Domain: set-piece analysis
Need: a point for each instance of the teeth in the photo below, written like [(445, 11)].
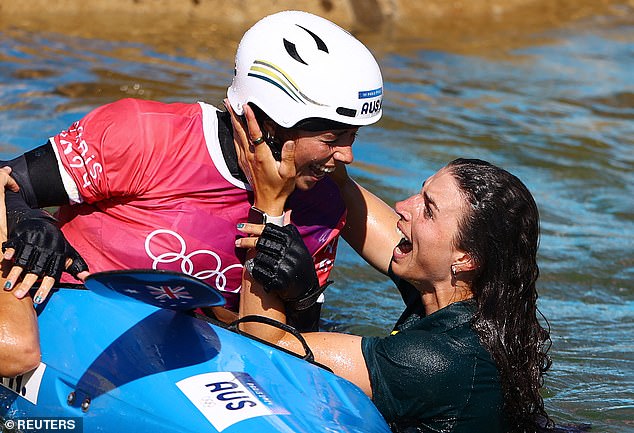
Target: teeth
[(401, 234), (324, 169)]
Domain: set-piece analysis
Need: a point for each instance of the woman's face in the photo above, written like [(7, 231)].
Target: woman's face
[(429, 224), (316, 153)]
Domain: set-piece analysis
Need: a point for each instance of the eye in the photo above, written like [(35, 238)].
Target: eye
[(428, 213), (341, 139), (333, 142)]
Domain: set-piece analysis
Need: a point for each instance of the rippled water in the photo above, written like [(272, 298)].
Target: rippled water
[(556, 110)]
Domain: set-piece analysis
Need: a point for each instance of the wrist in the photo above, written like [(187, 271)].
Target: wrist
[(272, 206), (260, 216)]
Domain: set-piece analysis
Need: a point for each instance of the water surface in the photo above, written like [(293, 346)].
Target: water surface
[(556, 109)]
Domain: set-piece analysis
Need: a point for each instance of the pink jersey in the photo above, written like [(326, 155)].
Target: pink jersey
[(149, 188)]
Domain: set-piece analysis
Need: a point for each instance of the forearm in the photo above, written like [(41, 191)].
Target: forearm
[(370, 225), (37, 174), (21, 202), (254, 300), (19, 339), (34, 242), (340, 352)]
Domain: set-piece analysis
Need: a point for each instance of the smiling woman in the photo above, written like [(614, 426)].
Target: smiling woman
[(468, 353), (319, 145), (551, 104), (173, 168)]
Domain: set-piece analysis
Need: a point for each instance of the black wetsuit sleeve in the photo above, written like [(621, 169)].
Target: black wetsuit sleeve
[(39, 246), (39, 178)]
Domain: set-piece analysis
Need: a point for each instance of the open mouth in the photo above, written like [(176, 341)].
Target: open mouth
[(404, 246), (320, 170)]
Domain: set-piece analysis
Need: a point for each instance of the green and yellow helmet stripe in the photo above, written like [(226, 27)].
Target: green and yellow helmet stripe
[(271, 73)]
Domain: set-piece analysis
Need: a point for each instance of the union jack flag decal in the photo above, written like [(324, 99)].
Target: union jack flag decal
[(163, 289), (163, 293)]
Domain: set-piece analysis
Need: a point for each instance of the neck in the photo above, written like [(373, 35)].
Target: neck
[(444, 294)]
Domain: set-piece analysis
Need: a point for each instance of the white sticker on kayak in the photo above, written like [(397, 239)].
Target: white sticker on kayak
[(26, 385), (225, 398)]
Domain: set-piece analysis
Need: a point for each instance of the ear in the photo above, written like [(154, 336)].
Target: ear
[(463, 263)]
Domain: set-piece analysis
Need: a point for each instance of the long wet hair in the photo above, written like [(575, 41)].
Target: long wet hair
[(500, 231)]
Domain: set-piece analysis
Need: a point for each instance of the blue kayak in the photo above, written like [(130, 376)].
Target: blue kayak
[(127, 355)]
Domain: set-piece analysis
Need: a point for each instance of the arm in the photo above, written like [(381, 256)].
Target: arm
[(35, 243), (271, 183), (340, 352), (370, 223), (19, 339)]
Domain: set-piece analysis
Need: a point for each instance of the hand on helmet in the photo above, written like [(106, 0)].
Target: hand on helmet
[(272, 181)]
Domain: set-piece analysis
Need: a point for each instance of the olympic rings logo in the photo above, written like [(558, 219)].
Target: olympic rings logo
[(186, 262)]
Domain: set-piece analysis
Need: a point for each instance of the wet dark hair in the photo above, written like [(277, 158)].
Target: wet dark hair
[(500, 230)]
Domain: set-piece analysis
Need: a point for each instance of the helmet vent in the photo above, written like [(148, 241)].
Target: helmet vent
[(291, 48), (346, 111), (321, 45)]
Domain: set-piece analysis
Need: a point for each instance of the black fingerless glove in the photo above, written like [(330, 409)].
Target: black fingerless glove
[(78, 264), (284, 265), (40, 246)]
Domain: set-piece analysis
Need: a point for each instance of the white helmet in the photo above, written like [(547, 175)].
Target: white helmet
[(296, 67)]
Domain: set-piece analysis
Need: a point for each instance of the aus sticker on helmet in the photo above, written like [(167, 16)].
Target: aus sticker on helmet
[(370, 107)]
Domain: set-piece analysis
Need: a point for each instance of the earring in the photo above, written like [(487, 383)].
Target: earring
[(453, 270), (269, 137)]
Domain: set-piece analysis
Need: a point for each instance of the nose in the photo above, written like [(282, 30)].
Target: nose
[(404, 208), (401, 209), (343, 154)]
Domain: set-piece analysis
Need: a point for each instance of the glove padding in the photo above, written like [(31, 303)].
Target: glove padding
[(40, 246), (284, 265)]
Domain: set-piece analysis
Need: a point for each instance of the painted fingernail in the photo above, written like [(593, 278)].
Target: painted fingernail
[(38, 300), (240, 225), (8, 285)]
